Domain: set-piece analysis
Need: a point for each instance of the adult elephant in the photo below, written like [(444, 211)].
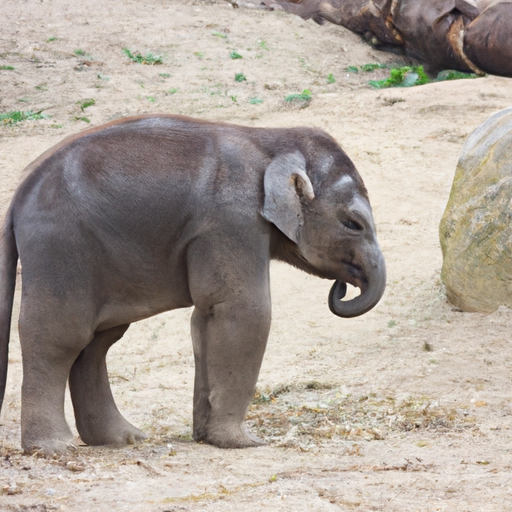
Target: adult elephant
[(466, 35), (154, 213)]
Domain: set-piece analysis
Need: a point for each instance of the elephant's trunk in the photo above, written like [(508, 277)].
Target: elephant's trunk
[(372, 290)]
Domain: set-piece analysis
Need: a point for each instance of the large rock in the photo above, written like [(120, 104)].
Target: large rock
[(476, 228)]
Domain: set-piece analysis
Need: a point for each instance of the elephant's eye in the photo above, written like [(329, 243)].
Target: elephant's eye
[(353, 225)]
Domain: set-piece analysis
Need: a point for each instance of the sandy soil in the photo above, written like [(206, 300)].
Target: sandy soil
[(407, 408)]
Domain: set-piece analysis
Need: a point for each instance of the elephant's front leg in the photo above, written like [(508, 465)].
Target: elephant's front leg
[(229, 342)]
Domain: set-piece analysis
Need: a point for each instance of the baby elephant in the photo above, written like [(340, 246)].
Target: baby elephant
[(154, 213)]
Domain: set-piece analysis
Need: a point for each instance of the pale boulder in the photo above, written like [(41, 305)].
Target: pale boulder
[(476, 228)]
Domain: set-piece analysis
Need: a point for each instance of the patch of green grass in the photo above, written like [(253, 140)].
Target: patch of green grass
[(373, 67), (83, 118), (103, 77), (409, 76), (255, 101), (82, 54), (330, 78), (235, 55), (42, 87), (199, 55), (391, 324), (406, 76), (219, 34), (55, 126), (6, 68), (89, 102), (366, 67), (164, 75), (148, 59), (305, 95), (172, 90), (240, 77), (262, 44), (151, 99), (51, 39), (454, 75), (17, 116)]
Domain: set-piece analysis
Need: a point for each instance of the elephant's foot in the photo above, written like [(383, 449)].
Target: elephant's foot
[(224, 435), (116, 432), (98, 419), (49, 447), (228, 349), (44, 429)]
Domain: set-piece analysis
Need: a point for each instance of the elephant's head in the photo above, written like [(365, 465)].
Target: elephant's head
[(322, 207)]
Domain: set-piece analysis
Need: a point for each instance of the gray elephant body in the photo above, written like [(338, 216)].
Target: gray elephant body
[(150, 214)]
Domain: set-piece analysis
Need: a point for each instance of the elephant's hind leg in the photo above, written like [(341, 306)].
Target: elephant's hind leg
[(48, 356), (98, 419)]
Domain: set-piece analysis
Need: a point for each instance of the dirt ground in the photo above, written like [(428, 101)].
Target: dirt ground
[(407, 408)]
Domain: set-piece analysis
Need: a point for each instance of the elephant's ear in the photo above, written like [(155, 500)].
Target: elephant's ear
[(286, 184)]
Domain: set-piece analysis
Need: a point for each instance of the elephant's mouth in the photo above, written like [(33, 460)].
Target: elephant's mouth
[(339, 288), (354, 276)]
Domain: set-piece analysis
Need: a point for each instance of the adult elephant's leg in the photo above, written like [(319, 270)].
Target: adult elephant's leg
[(98, 419), (230, 327)]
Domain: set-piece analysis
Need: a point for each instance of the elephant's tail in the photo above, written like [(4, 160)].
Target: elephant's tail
[(8, 267)]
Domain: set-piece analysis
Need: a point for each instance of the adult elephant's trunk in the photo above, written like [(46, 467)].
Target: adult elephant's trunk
[(372, 290)]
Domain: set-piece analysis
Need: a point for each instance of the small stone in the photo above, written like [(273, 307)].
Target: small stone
[(75, 466), (11, 489)]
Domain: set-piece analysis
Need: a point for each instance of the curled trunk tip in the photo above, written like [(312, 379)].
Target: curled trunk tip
[(371, 293)]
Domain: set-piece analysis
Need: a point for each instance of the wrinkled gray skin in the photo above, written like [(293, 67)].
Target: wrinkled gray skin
[(151, 214)]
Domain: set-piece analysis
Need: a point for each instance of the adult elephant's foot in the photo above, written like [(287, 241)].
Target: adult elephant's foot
[(224, 435)]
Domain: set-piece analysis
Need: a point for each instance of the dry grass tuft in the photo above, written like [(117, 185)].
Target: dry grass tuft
[(294, 415)]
